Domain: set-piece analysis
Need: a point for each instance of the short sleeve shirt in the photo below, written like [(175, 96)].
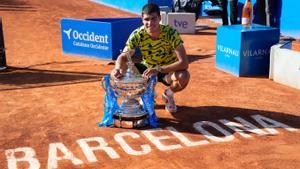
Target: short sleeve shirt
[(157, 52)]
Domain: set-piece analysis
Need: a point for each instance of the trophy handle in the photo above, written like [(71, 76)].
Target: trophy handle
[(149, 80), (111, 84), (103, 83)]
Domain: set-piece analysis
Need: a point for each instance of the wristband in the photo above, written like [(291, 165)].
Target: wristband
[(158, 68)]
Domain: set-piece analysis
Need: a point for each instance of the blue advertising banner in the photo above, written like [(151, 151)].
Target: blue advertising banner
[(100, 37), (245, 51)]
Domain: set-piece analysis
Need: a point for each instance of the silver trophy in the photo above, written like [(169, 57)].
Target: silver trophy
[(130, 87)]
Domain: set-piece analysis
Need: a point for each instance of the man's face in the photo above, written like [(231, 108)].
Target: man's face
[(151, 22)]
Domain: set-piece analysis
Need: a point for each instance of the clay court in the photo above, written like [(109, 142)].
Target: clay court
[(50, 104)]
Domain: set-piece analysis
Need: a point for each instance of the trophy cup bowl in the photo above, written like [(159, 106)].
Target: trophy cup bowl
[(130, 87)]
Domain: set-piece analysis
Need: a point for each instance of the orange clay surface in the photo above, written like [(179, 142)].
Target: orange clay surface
[(296, 45), (50, 101)]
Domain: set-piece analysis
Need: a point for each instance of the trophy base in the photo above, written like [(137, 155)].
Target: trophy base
[(129, 121)]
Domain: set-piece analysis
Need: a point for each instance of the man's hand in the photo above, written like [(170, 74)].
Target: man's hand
[(150, 72), (116, 73)]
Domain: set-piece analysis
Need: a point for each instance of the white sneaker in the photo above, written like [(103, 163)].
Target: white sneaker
[(141, 102), (170, 103)]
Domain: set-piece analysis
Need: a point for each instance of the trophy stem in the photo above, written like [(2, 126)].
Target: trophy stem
[(130, 108)]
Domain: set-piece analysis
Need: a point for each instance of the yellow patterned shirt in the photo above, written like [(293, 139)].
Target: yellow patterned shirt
[(156, 52)]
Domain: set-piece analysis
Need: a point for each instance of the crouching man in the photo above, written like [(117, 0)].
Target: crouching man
[(163, 54)]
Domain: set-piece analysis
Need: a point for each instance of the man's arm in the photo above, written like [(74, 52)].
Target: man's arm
[(120, 65), (181, 64)]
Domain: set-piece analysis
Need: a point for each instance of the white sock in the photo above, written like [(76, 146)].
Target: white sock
[(169, 92)]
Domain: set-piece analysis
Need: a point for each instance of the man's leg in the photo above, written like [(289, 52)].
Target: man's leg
[(262, 11), (271, 13), (233, 12), (178, 81), (268, 13), (224, 11)]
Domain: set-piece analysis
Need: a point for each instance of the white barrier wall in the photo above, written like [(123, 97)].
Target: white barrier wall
[(164, 18), (182, 22), (285, 65)]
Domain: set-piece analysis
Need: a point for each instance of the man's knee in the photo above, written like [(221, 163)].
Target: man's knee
[(180, 80), (181, 76)]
